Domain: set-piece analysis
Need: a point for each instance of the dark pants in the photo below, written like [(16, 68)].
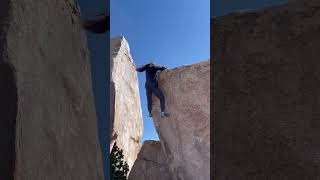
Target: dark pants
[(154, 88)]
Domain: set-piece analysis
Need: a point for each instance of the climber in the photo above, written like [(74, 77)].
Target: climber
[(99, 25), (153, 87)]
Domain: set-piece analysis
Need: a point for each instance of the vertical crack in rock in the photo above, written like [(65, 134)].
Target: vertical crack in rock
[(8, 101), (112, 100), (8, 113)]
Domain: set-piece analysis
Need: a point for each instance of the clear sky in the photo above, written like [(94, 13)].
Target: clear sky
[(173, 32)]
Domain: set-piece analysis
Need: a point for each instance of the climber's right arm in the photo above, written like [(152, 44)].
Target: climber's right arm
[(161, 67)]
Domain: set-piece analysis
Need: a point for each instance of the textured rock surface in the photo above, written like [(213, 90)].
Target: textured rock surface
[(185, 135), (151, 163), (266, 94), (126, 111), (44, 58)]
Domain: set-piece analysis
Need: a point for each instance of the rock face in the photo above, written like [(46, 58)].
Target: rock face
[(151, 163), (266, 94), (126, 107), (185, 135), (48, 120)]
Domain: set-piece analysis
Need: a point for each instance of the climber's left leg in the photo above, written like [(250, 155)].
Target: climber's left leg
[(157, 91)]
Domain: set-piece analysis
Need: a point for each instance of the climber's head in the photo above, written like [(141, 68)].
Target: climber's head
[(152, 63)]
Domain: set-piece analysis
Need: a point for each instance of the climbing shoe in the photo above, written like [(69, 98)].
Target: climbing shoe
[(150, 114), (163, 114)]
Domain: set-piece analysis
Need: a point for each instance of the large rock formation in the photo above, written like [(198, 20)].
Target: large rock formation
[(48, 120), (266, 94), (151, 163), (125, 106), (184, 136)]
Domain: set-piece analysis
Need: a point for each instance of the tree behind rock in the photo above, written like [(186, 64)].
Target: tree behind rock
[(119, 167)]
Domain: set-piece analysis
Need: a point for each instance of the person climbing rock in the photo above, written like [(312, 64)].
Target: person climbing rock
[(152, 86), (100, 24)]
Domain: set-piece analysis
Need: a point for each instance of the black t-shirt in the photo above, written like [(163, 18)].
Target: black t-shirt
[(151, 72)]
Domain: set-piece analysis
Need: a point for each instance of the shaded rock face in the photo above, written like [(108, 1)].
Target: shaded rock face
[(266, 94), (8, 111), (151, 163), (47, 105), (8, 102), (126, 107), (184, 136)]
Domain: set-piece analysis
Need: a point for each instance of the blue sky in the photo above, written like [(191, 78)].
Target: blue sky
[(173, 33)]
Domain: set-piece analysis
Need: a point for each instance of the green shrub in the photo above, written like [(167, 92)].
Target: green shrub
[(119, 168)]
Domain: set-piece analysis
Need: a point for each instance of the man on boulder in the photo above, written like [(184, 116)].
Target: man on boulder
[(152, 86)]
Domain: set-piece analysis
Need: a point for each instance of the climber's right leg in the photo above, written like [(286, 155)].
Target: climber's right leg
[(149, 99)]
